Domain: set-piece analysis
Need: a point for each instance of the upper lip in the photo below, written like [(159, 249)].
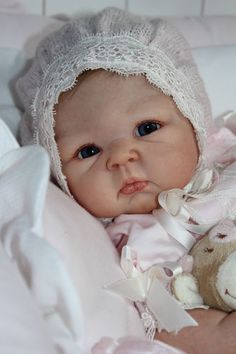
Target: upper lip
[(131, 181)]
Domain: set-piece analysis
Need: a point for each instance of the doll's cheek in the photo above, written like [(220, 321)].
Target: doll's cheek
[(226, 281)]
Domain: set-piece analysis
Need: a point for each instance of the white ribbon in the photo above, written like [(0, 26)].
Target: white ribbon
[(174, 203), (201, 184), (147, 287)]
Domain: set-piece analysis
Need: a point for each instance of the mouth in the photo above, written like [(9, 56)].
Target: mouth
[(132, 186)]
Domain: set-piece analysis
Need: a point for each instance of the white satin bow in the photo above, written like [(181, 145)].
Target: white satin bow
[(147, 287), (173, 201)]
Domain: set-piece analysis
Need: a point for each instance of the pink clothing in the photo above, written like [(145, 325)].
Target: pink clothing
[(148, 238)]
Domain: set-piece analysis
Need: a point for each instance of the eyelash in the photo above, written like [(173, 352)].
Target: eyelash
[(97, 150)]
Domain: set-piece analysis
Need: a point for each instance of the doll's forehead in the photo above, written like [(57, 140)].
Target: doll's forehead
[(103, 90), (101, 93)]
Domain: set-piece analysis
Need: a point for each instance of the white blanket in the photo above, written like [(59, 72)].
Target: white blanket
[(55, 262), (24, 175)]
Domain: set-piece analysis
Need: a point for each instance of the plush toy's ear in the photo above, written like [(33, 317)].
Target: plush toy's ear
[(224, 231), (185, 289)]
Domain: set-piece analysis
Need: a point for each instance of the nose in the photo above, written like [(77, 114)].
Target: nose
[(121, 153)]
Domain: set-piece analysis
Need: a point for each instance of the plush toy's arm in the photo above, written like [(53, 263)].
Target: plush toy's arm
[(185, 286), (185, 289)]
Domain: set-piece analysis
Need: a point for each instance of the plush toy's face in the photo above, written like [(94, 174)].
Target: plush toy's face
[(226, 280), (215, 266)]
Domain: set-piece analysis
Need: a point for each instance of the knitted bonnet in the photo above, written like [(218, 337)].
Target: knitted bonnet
[(117, 41)]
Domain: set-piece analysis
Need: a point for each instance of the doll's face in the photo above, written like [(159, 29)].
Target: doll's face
[(122, 142)]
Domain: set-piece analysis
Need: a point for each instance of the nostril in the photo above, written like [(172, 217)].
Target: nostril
[(115, 165)]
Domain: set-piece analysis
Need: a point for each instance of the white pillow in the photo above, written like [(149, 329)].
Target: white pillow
[(217, 66), (24, 32), (12, 62), (207, 31), (19, 37)]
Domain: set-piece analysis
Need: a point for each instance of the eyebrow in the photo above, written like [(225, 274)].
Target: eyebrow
[(64, 137), (135, 106)]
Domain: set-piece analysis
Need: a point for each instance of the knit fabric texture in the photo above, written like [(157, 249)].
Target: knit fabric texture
[(117, 41)]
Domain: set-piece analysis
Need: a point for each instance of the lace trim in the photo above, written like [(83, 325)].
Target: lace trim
[(149, 323)]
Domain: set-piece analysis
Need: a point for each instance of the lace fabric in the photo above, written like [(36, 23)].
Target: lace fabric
[(114, 54), (115, 41)]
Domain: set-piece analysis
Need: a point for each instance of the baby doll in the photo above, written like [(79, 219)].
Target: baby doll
[(118, 103)]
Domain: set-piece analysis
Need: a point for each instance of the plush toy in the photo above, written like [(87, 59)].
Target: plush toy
[(212, 280)]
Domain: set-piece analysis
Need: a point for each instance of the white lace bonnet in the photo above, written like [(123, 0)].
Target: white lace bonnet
[(120, 42)]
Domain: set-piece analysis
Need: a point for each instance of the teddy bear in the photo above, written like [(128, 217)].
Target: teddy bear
[(212, 280)]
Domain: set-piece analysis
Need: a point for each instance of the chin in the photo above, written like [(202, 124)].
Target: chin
[(138, 205), (144, 211), (143, 208)]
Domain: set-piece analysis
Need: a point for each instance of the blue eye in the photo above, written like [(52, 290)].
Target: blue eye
[(87, 151), (146, 128)]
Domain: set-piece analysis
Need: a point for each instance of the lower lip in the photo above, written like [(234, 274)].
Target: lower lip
[(133, 187)]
